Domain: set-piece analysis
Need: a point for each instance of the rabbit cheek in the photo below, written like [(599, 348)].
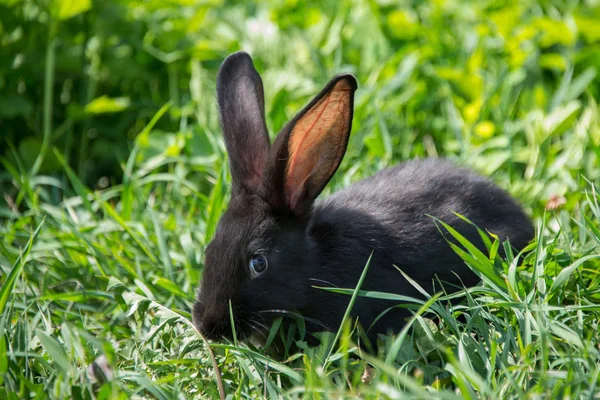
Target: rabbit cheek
[(278, 291)]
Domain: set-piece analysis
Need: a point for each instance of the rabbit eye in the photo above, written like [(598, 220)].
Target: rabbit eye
[(258, 265)]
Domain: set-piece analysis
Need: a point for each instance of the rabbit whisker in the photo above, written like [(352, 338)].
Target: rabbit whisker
[(256, 329), (257, 296), (324, 281), (258, 324)]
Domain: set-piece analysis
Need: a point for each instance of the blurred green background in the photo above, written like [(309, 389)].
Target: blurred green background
[(436, 77), (113, 176)]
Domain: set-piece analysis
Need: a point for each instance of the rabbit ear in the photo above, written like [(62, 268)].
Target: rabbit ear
[(242, 115), (310, 148)]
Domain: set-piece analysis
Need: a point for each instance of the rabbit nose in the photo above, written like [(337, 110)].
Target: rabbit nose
[(214, 329), (206, 331), (209, 323), (199, 318)]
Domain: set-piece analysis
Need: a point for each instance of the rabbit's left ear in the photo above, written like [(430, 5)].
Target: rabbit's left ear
[(242, 115), (310, 148)]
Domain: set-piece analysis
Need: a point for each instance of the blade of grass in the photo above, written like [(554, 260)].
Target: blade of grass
[(11, 280), (48, 95), (162, 243), (348, 309)]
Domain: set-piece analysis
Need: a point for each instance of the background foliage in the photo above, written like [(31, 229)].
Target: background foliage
[(113, 176)]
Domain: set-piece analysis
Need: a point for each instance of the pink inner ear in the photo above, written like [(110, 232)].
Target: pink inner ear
[(317, 143)]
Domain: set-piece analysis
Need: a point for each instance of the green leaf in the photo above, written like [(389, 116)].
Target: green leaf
[(475, 258), (349, 308), (54, 349), (397, 344), (65, 9), (162, 243), (9, 284), (581, 83), (3, 356), (78, 186), (566, 273), (589, 27), (553, 61), (105, 104), (561, 118), (273, 331), (567, 334), (289, 372), (143, 246)]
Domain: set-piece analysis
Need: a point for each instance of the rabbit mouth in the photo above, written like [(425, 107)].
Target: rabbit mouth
[(243, 330)]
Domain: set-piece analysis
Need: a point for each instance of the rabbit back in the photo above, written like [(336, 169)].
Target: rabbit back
[(402, 199)]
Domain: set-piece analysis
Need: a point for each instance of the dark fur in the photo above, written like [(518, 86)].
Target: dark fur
[(328, 243)]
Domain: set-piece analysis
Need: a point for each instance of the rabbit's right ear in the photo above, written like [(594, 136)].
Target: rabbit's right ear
[(242, 115), (310, 148)]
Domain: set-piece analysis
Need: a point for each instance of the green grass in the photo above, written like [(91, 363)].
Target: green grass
[(88, 274)]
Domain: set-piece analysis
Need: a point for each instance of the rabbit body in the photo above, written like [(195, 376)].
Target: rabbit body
[(390, 214), (275, 247)]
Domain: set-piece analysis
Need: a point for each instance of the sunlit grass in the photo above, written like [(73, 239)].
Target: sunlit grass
[(111, 273)]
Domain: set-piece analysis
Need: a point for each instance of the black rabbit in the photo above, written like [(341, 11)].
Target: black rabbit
[(274, 244)]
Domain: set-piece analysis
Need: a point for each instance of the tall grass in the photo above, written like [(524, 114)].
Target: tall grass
[(97, 284)]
